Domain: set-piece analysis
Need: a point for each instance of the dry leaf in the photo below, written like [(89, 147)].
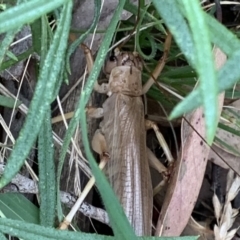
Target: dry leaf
[(234, 212), (223, 231), (186, 178), (230, 179), (216, 232), (217, 207), (231, 234), (234, 189), (227, 214)]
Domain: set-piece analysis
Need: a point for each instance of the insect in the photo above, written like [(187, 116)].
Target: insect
[(122, 134)]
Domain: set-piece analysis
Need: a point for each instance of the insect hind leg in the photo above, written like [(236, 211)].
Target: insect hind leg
[(151, 125)]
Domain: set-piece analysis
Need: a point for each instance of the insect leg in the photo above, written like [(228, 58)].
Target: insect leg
[(90, 111), (94, 112), (154, 162), (99, 144), (161, 63), (103, 88), (151, 125), (59, 118)]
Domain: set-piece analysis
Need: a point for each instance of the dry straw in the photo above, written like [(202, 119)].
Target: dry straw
[(224, 213)]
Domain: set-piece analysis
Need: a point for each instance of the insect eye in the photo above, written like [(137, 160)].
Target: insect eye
[(112, 58)]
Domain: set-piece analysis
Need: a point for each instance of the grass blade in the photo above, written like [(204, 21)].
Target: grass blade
[(8, 102), (6, 43), (227, 76), (26, 12), (198, 56), (83, 36), (204, 65), (20, 57), (29, 231), (178, 27), (17, 207), (47, 178), (41, 99)]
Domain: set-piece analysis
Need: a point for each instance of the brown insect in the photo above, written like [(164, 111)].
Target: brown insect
[(122, 134)]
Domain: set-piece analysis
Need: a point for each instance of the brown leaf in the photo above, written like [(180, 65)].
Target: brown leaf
[(187, 176)]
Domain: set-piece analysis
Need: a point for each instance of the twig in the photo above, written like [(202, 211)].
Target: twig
[(23, 184)]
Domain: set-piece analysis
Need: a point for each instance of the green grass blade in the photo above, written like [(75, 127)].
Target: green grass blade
[(197, 49), (26, 12), (36, 35), (17, 207), (142, 36), (47, 178), (229, 129), (20, 57), (40, 38), (204, 65), (8, 102), (28, 231), (218, 32), (83, 36), (130, 7), (11, 56), (75, 121), (41, 99), (6, 43), (177, 26), (227, 76), (2, 237)]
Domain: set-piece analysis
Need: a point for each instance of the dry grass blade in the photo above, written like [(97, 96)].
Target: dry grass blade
[(230, 179), (68, 219), (227, 213), (231, 234), (234, 189)]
